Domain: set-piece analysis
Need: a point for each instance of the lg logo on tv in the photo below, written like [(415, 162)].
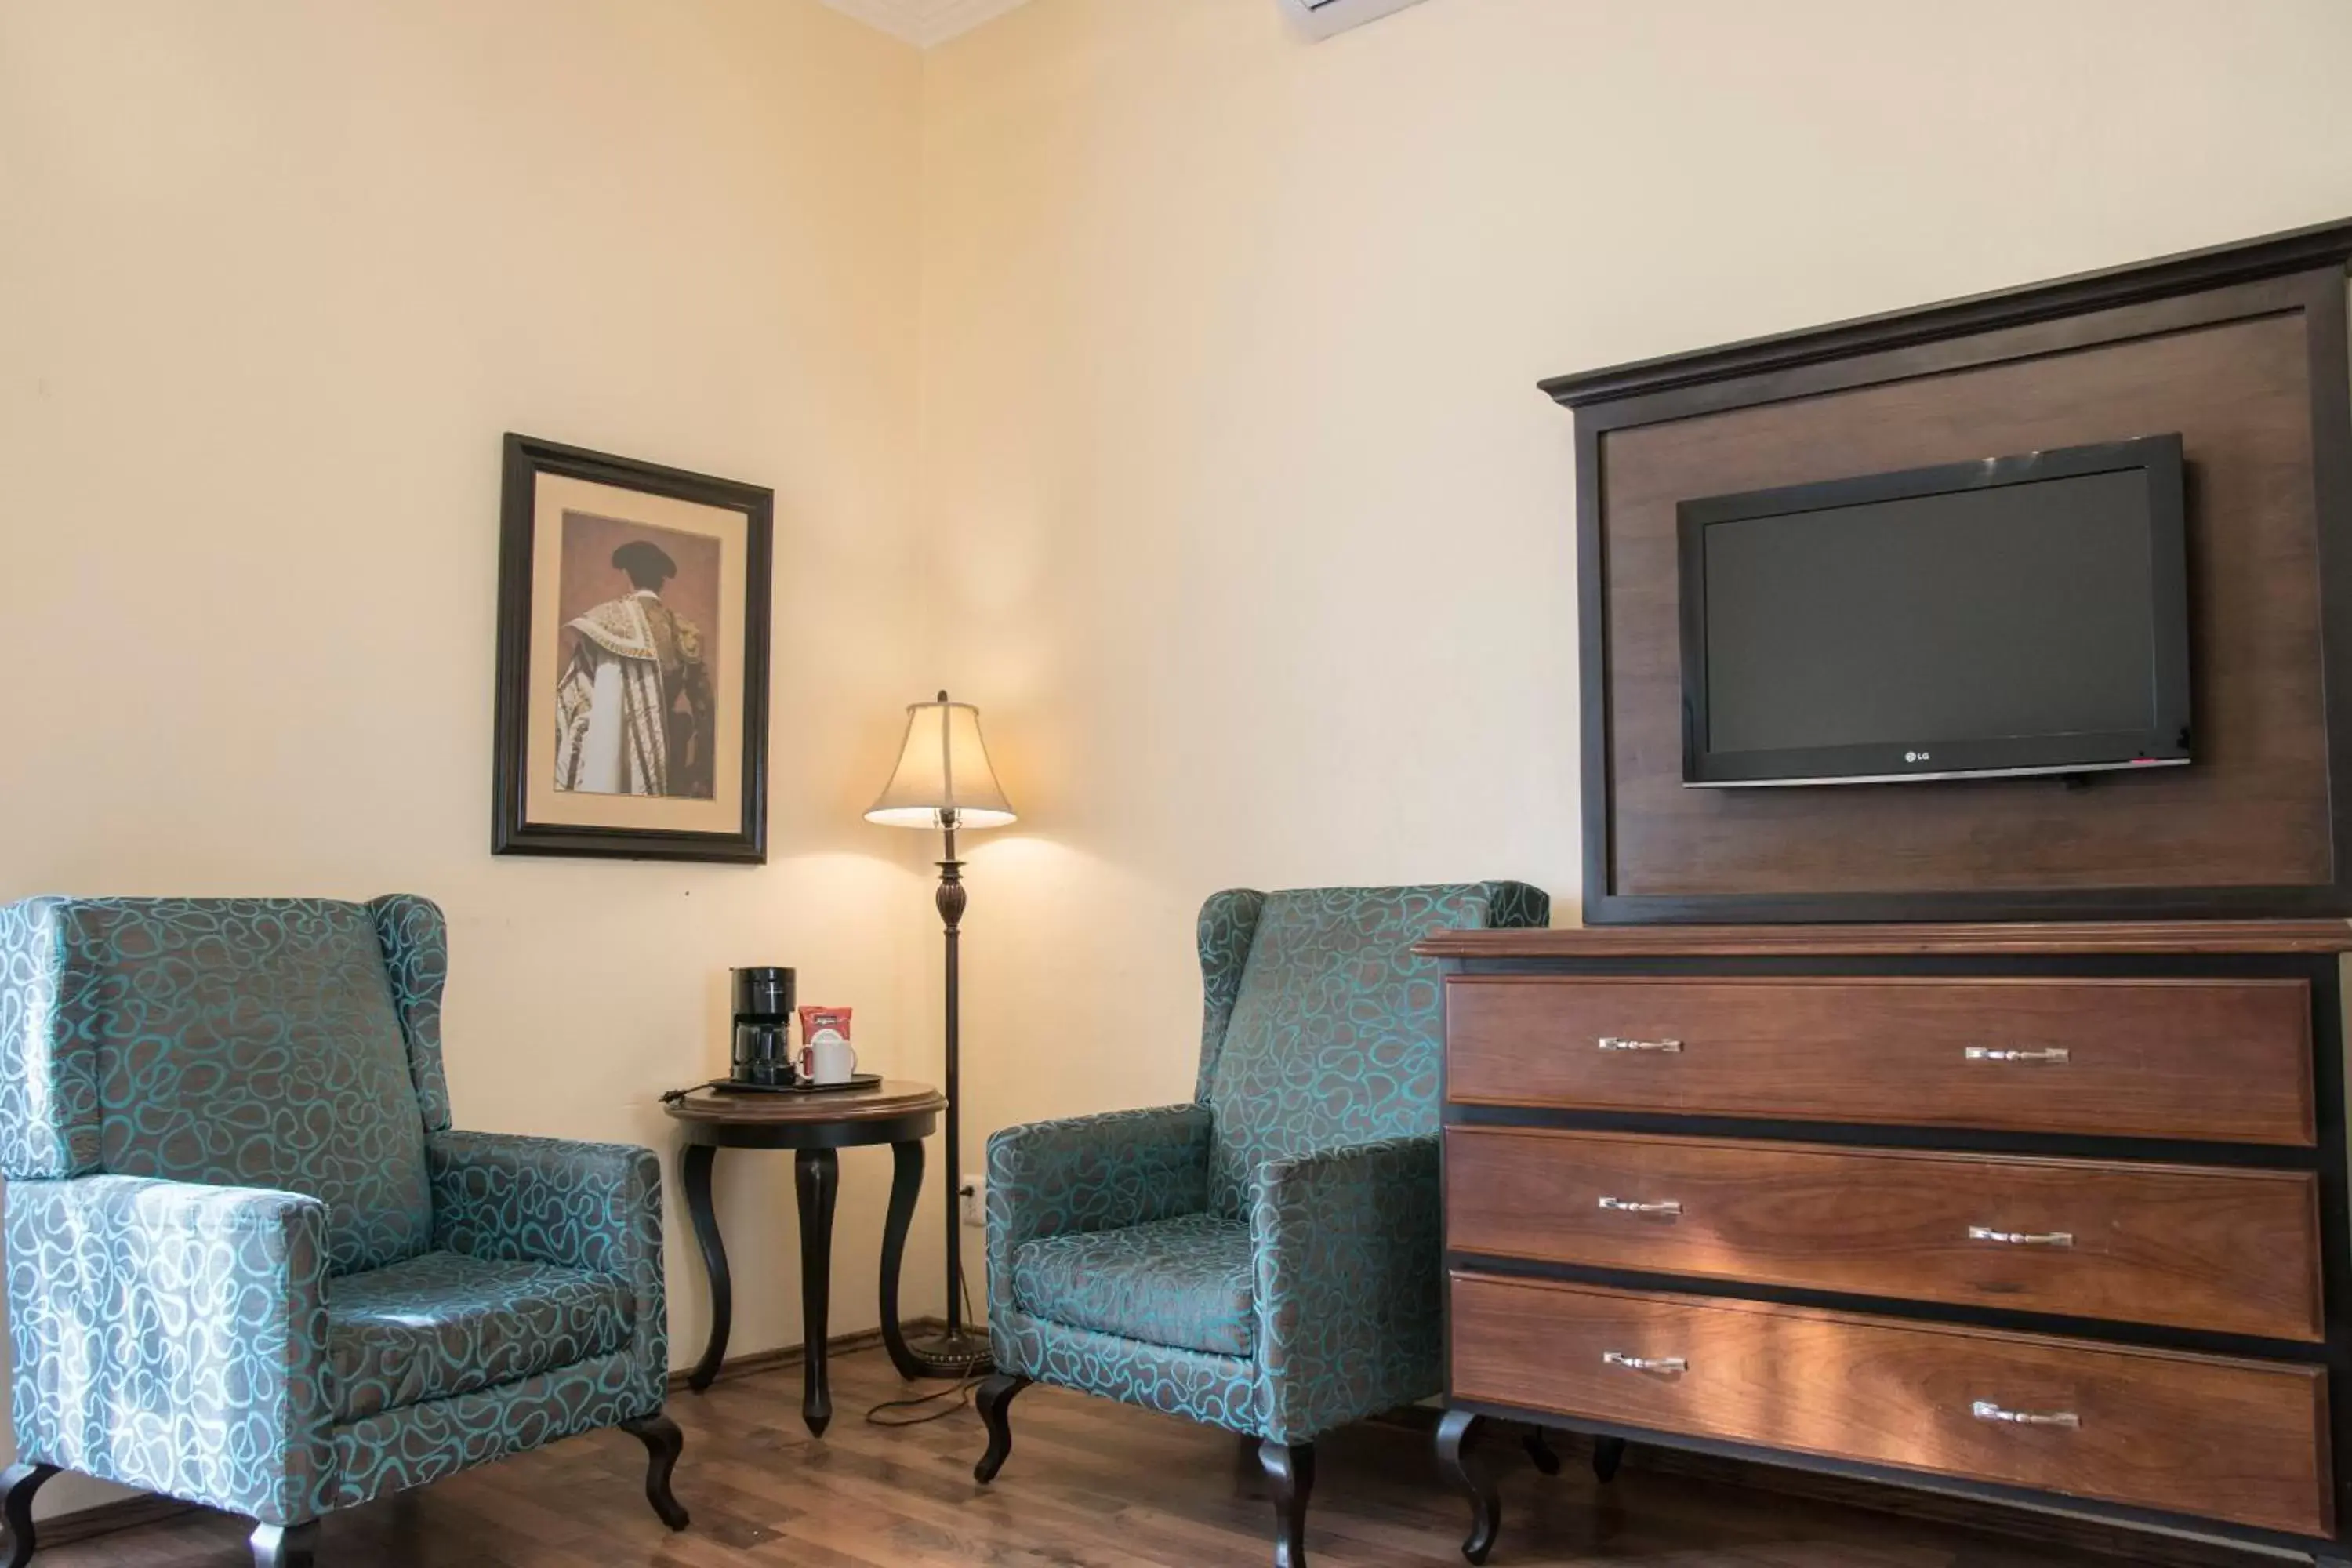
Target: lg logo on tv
[(1915, 757)]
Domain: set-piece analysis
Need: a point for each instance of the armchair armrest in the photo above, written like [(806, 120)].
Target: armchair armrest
[(1087, 1174), (171, 1337), (592, 1207), (1349, 1249)]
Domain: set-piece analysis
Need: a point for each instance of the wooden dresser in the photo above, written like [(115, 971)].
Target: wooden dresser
[(2033, 1213)]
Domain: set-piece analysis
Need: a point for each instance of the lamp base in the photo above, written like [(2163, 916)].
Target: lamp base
[(948, 1355)]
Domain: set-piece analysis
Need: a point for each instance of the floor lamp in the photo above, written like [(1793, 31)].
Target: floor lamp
[(943, 781)]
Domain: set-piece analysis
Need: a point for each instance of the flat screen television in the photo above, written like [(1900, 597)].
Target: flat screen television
[(2023, 614)]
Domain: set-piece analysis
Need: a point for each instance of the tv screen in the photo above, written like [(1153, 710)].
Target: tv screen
[(2024, 614)]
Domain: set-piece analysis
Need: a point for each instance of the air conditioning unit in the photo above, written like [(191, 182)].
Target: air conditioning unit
[(1321, 18)]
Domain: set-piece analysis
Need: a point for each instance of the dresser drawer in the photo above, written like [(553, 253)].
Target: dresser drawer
[(2234, 1251), (2223, 1059), (2236, 1440)]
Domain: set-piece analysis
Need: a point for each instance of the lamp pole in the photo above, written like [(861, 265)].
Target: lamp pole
[(958, 1354), (943, 781)]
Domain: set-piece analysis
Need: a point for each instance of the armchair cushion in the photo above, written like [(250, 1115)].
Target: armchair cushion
[(1183, 1282), (592, 1208), (446, 1323)]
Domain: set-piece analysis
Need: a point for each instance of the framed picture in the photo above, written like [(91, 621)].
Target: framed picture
[(633, 659)]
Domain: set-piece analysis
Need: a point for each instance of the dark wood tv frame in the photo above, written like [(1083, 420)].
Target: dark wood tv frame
[(2305, 268)]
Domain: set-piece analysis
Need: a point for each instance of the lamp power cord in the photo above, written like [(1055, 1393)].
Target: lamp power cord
[(954, 1397)]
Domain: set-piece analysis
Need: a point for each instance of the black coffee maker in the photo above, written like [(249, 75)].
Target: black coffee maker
[(764, 1027)]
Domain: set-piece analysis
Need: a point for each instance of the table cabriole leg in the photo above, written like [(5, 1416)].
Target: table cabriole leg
[(906, 1189), (695, 1163), (817, 1179)]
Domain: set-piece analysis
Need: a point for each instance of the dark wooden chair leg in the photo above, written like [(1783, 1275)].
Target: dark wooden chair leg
[(1608, 1453), (993, 1396), (664, 1442), (286, 1545), (19, 1484), (1457, 1430), (1538, 1444), (1290, 1471)]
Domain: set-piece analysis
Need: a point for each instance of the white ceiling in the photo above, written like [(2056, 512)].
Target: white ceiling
[(924, 22)]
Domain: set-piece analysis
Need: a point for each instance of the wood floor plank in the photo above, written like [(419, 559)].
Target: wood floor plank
[(1090, 1485)]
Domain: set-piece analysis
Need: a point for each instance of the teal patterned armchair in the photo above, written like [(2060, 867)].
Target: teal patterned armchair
[(249, 1263), (1265, 1259)]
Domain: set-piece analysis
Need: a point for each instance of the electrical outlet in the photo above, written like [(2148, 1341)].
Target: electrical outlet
[(972, 1198)]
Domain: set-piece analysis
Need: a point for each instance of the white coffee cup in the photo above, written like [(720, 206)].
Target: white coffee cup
[(830, 1058)]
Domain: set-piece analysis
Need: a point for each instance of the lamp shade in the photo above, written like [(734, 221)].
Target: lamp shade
[(942, 779)]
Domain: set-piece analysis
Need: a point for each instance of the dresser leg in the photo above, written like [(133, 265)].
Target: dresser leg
[(1456, 1431), (1538, 1444), (1608, 1453)]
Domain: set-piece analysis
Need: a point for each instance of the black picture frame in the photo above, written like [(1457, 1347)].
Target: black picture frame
[(2164, 742), (526, 459)]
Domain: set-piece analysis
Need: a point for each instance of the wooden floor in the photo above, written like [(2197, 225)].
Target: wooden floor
[(1089, 1483)]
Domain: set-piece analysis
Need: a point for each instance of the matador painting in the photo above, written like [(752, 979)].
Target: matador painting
[(632, 713), (632, 706)]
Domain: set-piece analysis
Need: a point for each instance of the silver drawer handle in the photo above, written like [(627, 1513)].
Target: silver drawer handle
[(1664, 1365), (1611, 1043), (1986, 1410), (2021, 1237), (2054, 1053), (1627, 1205)]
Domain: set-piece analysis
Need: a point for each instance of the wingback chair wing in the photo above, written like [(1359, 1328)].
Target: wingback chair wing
[(1265, 1259), (250, 1264)]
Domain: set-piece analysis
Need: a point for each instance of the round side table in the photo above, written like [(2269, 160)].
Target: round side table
[(813, 1126)]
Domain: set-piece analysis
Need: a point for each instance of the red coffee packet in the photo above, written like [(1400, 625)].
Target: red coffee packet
[(815, 1018)]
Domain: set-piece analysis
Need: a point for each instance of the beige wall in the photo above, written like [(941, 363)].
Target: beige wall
[(273, 279), (1249, 521), (1214, 351)]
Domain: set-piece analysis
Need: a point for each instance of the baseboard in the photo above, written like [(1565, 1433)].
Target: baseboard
[(758, 1362)]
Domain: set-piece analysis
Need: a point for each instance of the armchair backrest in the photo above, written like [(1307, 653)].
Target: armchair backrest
[(284, 1043), (1320, 1026)]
